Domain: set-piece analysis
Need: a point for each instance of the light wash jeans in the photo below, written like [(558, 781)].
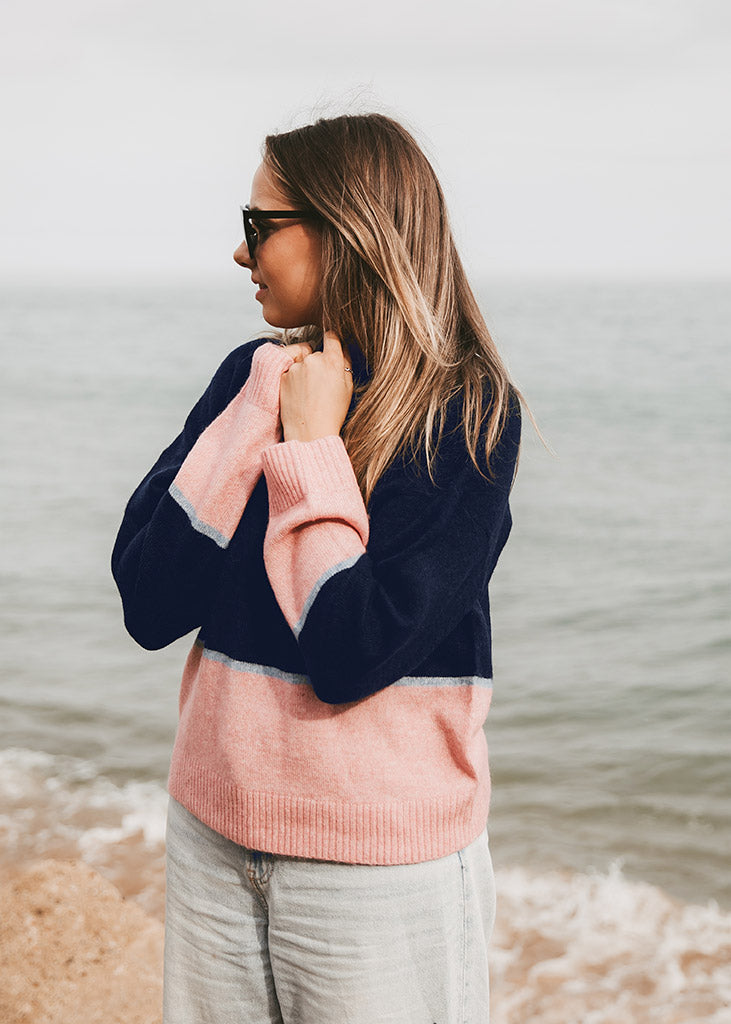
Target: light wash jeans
[(254, 938)]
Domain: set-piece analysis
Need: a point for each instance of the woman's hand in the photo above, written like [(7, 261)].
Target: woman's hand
[(315, 392)]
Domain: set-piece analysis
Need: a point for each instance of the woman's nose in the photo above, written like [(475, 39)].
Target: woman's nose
[(241, 256)]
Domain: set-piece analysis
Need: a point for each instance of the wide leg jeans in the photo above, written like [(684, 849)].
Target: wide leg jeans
[(255, 938)]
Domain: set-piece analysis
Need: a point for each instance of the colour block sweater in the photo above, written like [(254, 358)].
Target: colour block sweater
[(333, 703)]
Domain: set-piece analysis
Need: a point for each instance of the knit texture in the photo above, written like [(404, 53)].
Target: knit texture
[(333, 703)]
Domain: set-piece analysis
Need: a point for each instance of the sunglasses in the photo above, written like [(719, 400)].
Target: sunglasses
[(250, 216)]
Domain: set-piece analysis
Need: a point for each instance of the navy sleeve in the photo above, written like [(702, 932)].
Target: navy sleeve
[(168, 555)]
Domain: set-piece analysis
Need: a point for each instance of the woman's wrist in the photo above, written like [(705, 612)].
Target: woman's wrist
[(309, 430)]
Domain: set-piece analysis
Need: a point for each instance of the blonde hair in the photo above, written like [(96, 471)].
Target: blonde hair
[(393, 282)]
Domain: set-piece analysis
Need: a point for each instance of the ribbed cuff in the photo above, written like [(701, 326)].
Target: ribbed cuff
[(298, 469), (269, 363)]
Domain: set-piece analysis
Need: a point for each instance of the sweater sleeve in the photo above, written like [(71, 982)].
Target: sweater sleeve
[(370, 599), (178, 524)]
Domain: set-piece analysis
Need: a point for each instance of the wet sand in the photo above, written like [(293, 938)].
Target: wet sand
[(73, 950)]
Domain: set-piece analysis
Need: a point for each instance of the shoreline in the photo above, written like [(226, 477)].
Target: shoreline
[(565, 947), (62, 806)]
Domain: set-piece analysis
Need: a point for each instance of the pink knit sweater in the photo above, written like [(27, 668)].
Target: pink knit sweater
[(398, 776)]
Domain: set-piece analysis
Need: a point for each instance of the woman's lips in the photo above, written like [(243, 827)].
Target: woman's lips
[(260, 294)]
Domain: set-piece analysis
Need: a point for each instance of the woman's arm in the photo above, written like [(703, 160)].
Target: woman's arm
[(369, 600), (177, 526)]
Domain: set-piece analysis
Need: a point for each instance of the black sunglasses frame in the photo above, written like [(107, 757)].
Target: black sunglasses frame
[(249, 215)]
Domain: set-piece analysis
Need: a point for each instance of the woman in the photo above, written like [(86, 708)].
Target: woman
[(328, 519)]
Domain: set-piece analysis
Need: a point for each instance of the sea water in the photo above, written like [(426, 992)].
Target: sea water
[(610, 824)]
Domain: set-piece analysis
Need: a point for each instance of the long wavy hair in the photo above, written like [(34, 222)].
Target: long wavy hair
[(393, 282)]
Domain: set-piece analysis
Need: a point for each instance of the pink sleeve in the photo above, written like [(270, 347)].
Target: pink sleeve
[(318, 524), (220, 472)]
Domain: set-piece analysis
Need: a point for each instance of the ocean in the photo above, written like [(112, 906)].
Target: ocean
[(610, 825)]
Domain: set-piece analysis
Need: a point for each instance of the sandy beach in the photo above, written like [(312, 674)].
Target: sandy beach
[(73, 949)]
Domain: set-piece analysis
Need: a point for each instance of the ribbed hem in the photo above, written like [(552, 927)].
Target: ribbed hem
[(294, 469), (352, 833), (269, 363)]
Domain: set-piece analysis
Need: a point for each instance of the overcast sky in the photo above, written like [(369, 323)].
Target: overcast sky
[(571, 136)]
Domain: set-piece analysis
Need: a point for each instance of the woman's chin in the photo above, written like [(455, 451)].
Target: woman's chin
[(284, 323)]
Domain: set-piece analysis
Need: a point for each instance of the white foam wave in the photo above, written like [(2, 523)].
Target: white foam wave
[(597, 949), (66, 788), (56, 806)]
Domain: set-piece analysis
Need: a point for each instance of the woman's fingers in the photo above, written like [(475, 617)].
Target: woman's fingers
[(299, 351), (332, 348)]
